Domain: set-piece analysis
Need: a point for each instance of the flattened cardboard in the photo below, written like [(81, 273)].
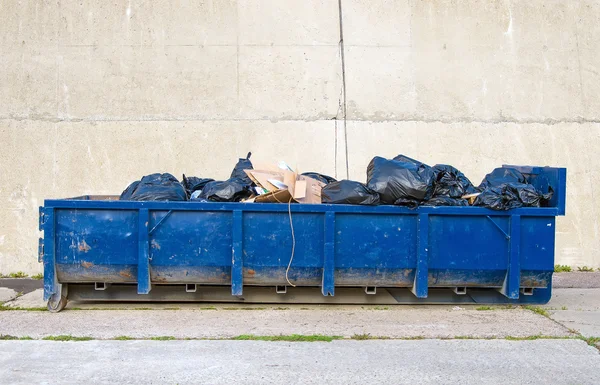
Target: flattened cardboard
[(279, 196), (300, 188), (313, 190), (261, 178)]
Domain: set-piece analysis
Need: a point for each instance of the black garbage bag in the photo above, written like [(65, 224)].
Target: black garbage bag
[(238, 170), (231, 190), (234, 189), (511, 196), (192, 183), (408, 202), (155, 187), (398, 181), (446, 201), (449, 182), (502, 176), (320, 177), (404, 158), (348, 192)]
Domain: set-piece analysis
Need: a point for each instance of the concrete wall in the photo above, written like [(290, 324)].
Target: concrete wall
[(95, 94)]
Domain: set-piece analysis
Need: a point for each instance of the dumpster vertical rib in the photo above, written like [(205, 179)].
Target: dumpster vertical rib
[(50, 281), (237, 278), (143, 252), (512, 281), (420, 286), (328, 283)]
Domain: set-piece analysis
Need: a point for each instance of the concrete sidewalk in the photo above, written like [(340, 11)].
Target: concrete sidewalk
[(339, 362), (227, 322)]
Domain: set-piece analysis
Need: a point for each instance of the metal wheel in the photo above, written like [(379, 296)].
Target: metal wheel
[(54, 305)]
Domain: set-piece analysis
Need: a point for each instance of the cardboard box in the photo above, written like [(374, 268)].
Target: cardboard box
[(300, 188)]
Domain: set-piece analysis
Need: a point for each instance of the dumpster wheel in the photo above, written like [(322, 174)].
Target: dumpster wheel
[(56, 306)]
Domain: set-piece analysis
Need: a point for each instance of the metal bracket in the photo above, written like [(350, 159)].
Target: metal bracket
[(498, 226), (160, 222), (144, 285), (191, 287), (101, 285), (459, 290), (42, 219), (328, 280), (512, 280), (281, 289), (237, 264), (420, 286), (41, 250)]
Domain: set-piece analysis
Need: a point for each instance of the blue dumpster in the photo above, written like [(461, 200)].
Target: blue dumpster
[(98, 248)]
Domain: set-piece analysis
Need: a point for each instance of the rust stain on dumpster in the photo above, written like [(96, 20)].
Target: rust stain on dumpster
[(83, 246), (86, 264), (125, 274)]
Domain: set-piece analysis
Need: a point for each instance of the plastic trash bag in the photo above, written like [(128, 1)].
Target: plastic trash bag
[(320, 177), (449, 182), (511, 196), (238, 170), (446, 201), (155, 187), (400, 181), (193, 184), (234, 189), (404, 158), (501, 176), (408, 202), (195, 195), (348, 192), (231, 190)]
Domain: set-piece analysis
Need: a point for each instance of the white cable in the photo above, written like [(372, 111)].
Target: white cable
[(293, 244)]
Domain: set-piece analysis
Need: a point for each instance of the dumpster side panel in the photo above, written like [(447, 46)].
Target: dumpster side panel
[(89, 241), (375, 250), (537, 251), (267, 248), (199, 253), (467, 251)]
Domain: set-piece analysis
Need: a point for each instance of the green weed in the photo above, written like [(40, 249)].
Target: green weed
[(18, 274), (562, 269), (537, 310), (289, 338), (586, 269), (66, 338)]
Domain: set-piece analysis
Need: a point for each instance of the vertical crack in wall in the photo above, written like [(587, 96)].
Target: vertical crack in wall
[(343, 94)]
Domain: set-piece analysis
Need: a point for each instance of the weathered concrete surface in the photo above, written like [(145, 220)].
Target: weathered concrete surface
[(188, 89), (338, 362), (577, 309), (575, 299), (31, 300), (576, 280), (21, 285), (491, 61), (587, 323), (400, 322), (7, 294)]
